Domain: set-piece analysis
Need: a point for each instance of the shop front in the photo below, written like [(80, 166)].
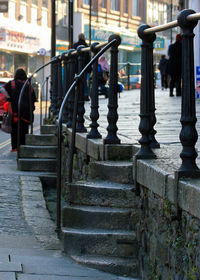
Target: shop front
[(19, 49)]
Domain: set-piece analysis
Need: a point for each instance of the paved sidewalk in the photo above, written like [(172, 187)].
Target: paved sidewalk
[(29, 247)]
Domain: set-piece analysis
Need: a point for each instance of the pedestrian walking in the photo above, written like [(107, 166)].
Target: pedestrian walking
[(81, 42), (163, 71), (13, 89), (174, 65)]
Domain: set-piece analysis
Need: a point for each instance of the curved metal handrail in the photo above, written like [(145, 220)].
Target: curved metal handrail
[(21, 95), (71, 152)]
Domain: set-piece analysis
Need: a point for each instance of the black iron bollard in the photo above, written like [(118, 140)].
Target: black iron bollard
[(69, 73), (112, 116), (81, 109), (146, 97), (94, 115), (188, 134), (54, 85)]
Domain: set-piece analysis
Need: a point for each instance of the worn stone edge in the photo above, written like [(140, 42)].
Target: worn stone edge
[(36, 214)]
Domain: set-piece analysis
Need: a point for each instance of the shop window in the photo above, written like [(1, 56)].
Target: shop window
[(114, 5), (135, 8), (6, 65), (126, 6)]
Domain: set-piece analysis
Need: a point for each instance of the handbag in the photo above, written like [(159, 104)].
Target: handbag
[(6, 125)]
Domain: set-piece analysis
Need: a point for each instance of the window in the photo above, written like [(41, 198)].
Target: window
[(45, 3), (65, 12), (35, 2), (114, 5), (34, 15), (23, 12), (103, 3), (44, 18), (126, 6), (135, 8), (86, 2), (11, 9)]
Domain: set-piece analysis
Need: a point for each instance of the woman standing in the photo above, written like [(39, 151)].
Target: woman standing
[(27, 107)]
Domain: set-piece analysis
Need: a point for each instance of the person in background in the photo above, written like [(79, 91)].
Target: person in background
[(175, 65), (104, 67), (81, 41), (163, 71), (13, 89)]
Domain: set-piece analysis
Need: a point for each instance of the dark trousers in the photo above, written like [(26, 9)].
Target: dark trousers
[(164, 83), (175, 82), (23, 132)]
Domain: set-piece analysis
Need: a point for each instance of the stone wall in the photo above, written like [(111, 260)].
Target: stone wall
[(169, 244)]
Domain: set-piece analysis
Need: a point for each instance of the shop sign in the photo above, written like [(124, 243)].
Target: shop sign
[(16, 40), (61, 48), (100, 35), (159, 43), (3, 6)]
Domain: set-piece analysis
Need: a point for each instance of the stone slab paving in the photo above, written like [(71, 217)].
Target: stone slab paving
[(29, 246)]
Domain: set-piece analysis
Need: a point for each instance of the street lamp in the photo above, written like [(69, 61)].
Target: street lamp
[(70, 24), (53, 29), (90, 21)]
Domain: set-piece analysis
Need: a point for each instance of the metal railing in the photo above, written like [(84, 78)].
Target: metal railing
[(187, 20), (77, 124)]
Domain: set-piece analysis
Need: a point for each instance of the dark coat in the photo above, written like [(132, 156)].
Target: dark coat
[(86, 54), (175, 59), (163, 65), (13, 89)]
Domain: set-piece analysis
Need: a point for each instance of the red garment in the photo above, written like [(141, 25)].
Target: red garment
[(6, 107)]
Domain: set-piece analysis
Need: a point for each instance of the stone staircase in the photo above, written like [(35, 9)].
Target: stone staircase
[(98, 225), (39, 153)]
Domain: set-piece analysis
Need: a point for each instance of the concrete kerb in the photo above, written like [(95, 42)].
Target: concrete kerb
[(36, 213)]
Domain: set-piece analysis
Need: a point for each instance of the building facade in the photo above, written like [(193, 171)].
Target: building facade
[(25, 35)]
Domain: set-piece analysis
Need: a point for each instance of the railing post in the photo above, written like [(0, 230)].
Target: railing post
[(188, 134), (53, 91), (69, 73), (146, 97), (94, 115), (59, 88), (81, 109), (128, 75), (112, 116)]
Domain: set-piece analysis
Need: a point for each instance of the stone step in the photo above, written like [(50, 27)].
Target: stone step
[(41, 140), (118, 151), (96, 217), (101, 193), (117, 243), (28, 164), (28, 151), (48, 129), (115, 265), (114, 171)]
